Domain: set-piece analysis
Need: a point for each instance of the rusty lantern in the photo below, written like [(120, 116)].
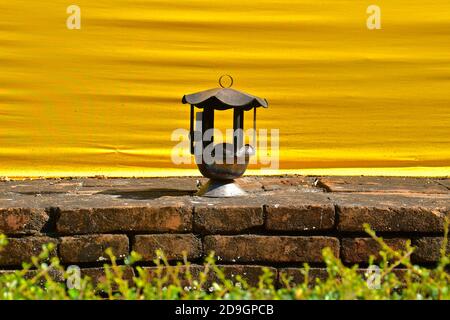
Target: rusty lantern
[(221, 163)]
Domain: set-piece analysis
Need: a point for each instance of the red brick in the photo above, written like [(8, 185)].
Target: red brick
[(91, 248), (160, 218), (227, 219), (296, 276), (428, 249), (300, 217), (391, 213), (249, 273), (172, 246), (180, 271), (357, 250), (55, 274), (98, 275), (21, 250), (22, 221), (254, 248)]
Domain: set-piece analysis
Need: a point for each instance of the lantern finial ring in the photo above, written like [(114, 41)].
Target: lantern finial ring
[(223, 76)]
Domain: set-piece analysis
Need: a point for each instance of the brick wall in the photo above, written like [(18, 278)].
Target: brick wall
[(282, 226)]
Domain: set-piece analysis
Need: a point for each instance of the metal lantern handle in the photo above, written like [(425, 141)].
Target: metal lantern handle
[(223, 76)]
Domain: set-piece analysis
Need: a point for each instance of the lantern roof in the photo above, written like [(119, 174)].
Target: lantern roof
[(224, 98)]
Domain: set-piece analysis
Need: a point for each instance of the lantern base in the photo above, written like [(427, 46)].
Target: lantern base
[(220, 189)]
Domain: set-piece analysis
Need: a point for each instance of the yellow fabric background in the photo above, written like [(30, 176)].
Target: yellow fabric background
[(105, 99)]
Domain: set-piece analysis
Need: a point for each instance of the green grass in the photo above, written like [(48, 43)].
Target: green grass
[(177, 282)]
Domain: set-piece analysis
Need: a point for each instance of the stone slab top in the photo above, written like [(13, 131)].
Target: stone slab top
[(397, 185), (271, 191)]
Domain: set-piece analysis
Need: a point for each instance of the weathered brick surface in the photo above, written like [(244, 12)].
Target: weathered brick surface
[(381, 185), (253, 248), (444, 182), (394, 213), (249, 273), (22, 221), (91, 248), (172, 245), (149, 186), (428, 249), (159, 218), (166, 185), (21, 250), (390, 219), (227, 219), (40, 186), (297, 217), (295, 275), (194, 270), (55, 275), (97, 275), (264, 227), (292, 183), (250, 184), (359, 250)]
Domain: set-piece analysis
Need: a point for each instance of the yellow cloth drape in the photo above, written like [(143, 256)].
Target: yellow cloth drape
[(105, 99)]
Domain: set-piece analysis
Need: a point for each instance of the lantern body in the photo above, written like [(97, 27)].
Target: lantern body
[(221, 163)]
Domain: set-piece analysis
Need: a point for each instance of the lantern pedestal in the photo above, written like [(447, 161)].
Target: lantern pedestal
[(220, 189)]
